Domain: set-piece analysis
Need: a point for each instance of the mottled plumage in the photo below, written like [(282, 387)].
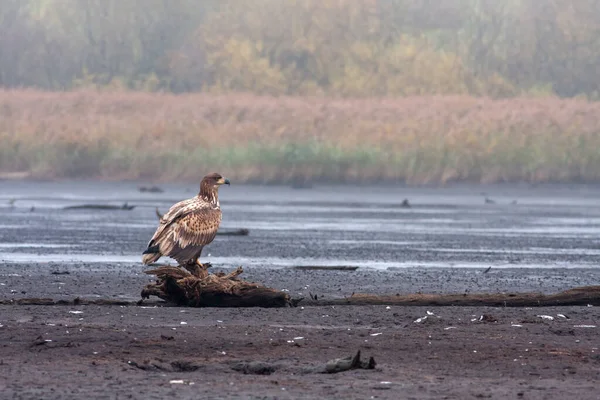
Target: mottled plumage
[(188, 226)]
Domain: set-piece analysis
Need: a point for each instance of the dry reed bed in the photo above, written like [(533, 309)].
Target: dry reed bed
[(414, 139)]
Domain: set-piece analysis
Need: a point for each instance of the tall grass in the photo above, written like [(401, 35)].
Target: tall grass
[(265, 139)]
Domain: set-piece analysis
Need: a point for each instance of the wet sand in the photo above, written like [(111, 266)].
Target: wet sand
[(444, 243)]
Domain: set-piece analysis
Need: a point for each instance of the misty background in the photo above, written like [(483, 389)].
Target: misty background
[(405, 90)]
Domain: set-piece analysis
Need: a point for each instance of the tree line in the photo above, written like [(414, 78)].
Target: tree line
[(305, 47)]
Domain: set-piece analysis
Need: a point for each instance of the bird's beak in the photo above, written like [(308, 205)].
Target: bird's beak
[(223, 181)]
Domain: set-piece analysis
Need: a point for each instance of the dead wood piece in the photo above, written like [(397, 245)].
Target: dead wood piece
[(35, 302), (150, 189), (160, 365), (255, 368), (326, 267), (577, 296), (125, 207), (234, 232), (348, 363), (201, 289)]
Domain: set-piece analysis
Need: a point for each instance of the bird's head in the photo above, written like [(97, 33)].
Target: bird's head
[(209, 186), (214, 180)]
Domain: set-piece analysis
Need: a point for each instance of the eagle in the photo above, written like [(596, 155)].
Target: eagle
[(188, 226)]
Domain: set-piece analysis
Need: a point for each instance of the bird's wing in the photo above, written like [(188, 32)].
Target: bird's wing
[(176, 211), (183, 239), (186, 228), (198, 228)]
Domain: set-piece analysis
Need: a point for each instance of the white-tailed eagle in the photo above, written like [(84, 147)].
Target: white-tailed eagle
[(188, 226)]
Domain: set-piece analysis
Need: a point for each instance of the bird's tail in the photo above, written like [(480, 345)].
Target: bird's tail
[(150, 255), (150, 258)]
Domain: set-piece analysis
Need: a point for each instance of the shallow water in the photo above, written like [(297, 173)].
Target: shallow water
[(550, 226)]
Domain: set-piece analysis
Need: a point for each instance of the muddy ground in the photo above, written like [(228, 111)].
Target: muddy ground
[(133, 352), (445, 243)]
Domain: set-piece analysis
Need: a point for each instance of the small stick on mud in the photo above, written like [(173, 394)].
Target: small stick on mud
[(125, 207), (150, 189), (348, 363)]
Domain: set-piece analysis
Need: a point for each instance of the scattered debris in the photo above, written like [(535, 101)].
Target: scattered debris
[(489, 201), (488, 318), (60, 273), (548, 317), (40, 341), (488, 270), (405, 204), (348, 363)]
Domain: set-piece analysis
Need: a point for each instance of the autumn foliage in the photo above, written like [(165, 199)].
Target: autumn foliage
[(344, 48), (416, 139), (280, 90)]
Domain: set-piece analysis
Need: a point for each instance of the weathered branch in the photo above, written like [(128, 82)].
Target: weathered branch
[(572, 297), (216, 292), (198, 288)]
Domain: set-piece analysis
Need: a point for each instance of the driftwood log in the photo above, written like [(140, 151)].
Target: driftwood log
[(202, 289), (245, 294), (573, 297)]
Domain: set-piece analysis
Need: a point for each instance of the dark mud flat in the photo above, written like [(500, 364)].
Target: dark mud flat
[(155, 353), (445, 243)]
